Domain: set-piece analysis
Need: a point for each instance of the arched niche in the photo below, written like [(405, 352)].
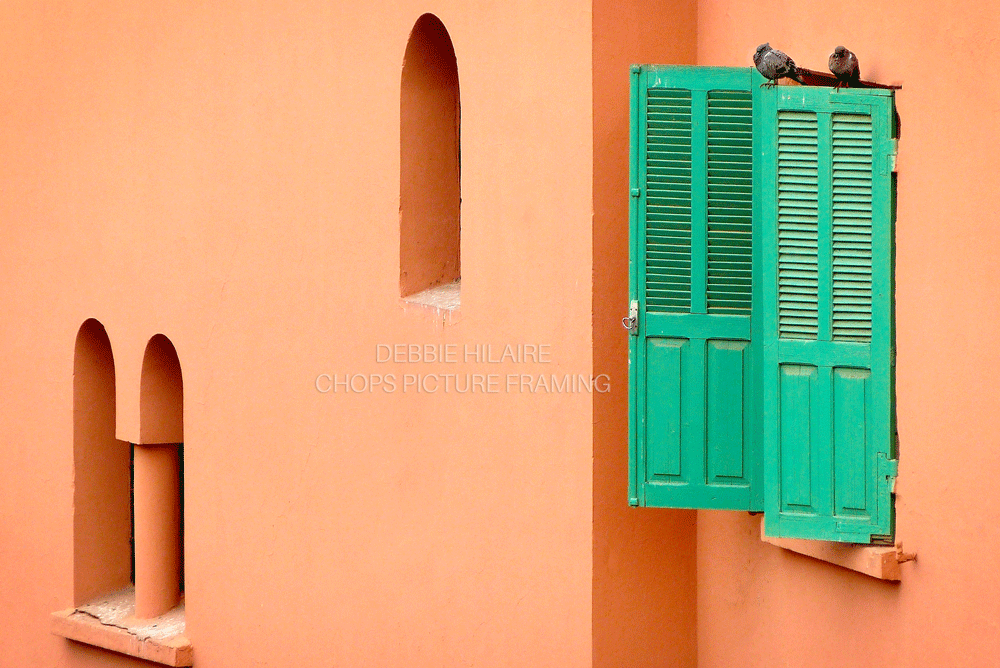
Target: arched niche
[(161, 394), (102, 505), (430, 160)]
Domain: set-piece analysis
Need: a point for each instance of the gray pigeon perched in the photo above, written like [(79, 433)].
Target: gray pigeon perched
[(844, 65), (774, 64)]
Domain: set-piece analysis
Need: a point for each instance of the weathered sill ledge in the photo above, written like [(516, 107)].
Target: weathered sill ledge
[(445, 297), (109, 622), (875, 561)]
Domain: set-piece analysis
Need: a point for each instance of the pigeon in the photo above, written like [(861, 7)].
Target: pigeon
[(844, 65), (774, 64)]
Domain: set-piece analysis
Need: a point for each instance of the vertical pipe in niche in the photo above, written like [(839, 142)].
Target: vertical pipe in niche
[(158, 522), (157, 529)]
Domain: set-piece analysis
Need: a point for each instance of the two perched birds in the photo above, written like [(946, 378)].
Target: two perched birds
[(774, 65)]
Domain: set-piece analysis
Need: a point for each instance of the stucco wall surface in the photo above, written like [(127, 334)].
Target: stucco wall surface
[(760, 606), (644, 558), (227, 174)]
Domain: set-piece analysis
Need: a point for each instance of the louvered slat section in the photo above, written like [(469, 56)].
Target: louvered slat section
[(797, 225), (852, 227), (730, 201), (668, 200)]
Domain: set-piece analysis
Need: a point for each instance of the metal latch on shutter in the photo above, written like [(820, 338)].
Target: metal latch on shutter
[(631, 323), (888, 468), (893, 151)]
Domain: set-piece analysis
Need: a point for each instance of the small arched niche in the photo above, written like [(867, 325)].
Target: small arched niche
[(161, 395), (158, 462), (430, 165), (102, 504)]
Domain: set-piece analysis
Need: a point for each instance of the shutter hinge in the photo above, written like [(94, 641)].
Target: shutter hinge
[(631, 323), (893, 151), (635, 192), (888, 468)]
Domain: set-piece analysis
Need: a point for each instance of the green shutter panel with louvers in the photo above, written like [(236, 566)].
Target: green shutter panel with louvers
[(826, 202), (691, 365)]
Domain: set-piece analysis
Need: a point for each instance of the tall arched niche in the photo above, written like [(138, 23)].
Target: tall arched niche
[(430, 161), (102, 504)]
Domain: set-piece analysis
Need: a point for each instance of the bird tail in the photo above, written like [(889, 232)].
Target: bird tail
[(794, 74)]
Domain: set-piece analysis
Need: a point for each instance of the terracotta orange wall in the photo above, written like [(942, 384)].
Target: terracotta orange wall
[(644, 559), (760, 606), (227, 174)]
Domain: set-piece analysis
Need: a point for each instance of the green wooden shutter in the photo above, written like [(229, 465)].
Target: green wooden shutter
[(826, 196), (691, 372)]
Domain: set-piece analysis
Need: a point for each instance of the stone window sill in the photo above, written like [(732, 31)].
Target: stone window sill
[(877, 562), (445, 297), (109, 622)]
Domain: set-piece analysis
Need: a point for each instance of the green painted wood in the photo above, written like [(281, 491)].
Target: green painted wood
[(635, 374), (668, 200), (729, 202), (693, 411), (663, 409), (851, 251), (699, 202), (826, 304), (797, 385), (704, 326), (691, 375), (657, 494), (798, 224), (727, 419), (827, 353), (760, 96), (850, 388)]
